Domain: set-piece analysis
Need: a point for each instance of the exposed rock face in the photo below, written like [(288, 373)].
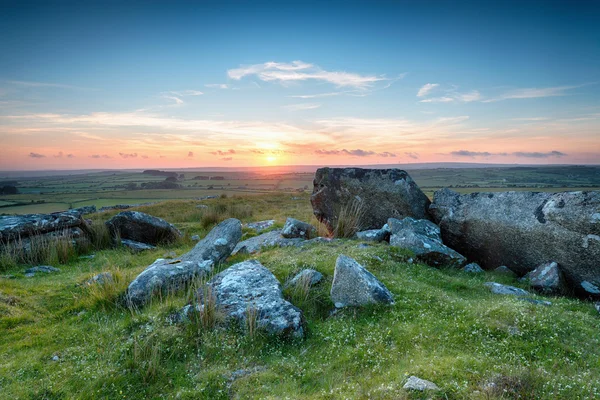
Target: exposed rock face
[(547, 278), (415, 383), (307, 276), (141, 227), (377, 194), (353, 285), (249, 287), (163, 276), (473, 268), (375, 235), (525, 229), (21, 226), (298, 229), (218, 244), (423, 238), (257, 243), (498, 288), (136, 247)]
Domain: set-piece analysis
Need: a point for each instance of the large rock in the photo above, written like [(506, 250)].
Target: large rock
[(525, 229), (141, 227), (269, 239), (164, 276), (353, 285), (374, 235), (416, 383), (377, 194), (308, 277), (423, 238), (136, 247), (294, 228), (13, 227), (547, 278), (248, 286)]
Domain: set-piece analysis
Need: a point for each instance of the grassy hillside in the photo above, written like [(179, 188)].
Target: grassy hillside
[(445, 326)]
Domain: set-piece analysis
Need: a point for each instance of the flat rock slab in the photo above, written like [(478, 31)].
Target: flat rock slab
[(378, 194), (354, 286), (13, 227), (163, 276), (374, 235), (294, 228), (423, 238), (136, 247), (143, 228), (269, 239), (498, 288), (415, 383), (46, 269), (523, 230), (218, 244), (260, 226), (248, 287)]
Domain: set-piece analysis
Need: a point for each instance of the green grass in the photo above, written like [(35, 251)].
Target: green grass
[(445, 326)]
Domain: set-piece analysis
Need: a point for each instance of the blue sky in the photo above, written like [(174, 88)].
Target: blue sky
[(239, 84)]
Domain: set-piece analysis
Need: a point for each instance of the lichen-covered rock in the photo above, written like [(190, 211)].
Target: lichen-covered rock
[(353, 285), (374, 194), (164, 276), (473, 268), (374, 235), (423, 238), (136, 247), (218, 244), (248, 287), (498, 288), (100, 279), (269, 239), (415, 383), (141, 227), (307, 276), (260, 226), (15, 227), (547, 278), (41, 268), (525, 229), (298, 229)]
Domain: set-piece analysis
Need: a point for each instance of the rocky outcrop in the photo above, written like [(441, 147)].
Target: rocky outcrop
[(423, 238), (249, 289), (547, 278), (141, 227), (269, 239), (294, 228), (14, 227), (166, 275), (525, 229), (353, 285), (370, 195)]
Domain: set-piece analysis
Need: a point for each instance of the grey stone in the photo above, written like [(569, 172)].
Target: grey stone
[(268, 239), (597, 306), (503, 269), (536, 301), (415, 383), (547, 278), (377, 194), (163, 276), (218, 244), (202, 206), (55, 358), (141, 227), (423, 238), (353, 285), (14, 227), (100, 279), (473, 268), (498, 288), (374, 235), (136, 247), (306, 276), (195, 238), (41, 268), (294, 228), (525, 229), (260, 226), (250, 286)]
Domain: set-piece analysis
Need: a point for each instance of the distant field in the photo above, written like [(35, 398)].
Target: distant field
[(56, 193)]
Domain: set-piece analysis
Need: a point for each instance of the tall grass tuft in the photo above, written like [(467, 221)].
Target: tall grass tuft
[(218, 212), (349, 219), (145, 357), (105, 295), (251, 321)]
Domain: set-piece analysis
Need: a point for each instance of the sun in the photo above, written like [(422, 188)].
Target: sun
[(271, 159)]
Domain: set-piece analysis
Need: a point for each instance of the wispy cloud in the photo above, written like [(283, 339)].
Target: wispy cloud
[(223, 153), (536, 154), (426, 89), (297, 71), (128, 155), (532, 93), (46, 85), (218, 85), (521, 154), (454, 96), (355, 153), (227, 158), (100, 156), (190, 154), (413, 155), (301, 107), (36, 155), (61, 155)]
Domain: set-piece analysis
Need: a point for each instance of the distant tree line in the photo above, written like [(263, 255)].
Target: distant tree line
[(8, 189), (155, 172)]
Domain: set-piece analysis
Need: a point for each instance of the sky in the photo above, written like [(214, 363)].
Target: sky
[(240, 84)]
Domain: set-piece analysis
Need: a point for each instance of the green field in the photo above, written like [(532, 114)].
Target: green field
[(60, 192)]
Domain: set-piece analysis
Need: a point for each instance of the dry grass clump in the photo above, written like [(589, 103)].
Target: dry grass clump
[(349, 219)]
